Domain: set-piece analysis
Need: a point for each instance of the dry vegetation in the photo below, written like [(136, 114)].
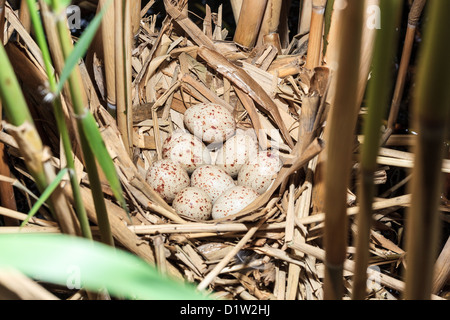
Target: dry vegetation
[(277, 85)]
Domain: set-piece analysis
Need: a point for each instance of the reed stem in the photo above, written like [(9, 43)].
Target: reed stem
[(315, 34), (78, 103), (342, 121), (108, 43), (250, 19), (431, 113), (413, 19), (60, 120), (378, 97), (121, 85)]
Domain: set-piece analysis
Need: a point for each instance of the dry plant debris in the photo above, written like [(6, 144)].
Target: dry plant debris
[(271, 250)]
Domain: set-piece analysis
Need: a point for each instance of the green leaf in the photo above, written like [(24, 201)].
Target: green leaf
[(100, 151), (44, 196), (81, 47), (76, 262)]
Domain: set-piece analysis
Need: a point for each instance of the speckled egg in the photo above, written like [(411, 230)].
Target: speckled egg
[(194, 203), (235, 152), (259, 172), (232, 201), (186, 149), (212, 179), (167, 178), (210, 122)]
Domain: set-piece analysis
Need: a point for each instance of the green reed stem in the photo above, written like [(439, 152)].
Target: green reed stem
[(60, 121), (378, 100), (77, 96), (431, 115)]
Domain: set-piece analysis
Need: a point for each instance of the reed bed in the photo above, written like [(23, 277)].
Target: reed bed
[(138, 79)]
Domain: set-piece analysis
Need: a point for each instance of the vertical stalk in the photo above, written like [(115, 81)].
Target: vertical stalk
[(78, 103), (315, 34), (251, 16), (341, 124), (413, 19), (378, 99), (60, 121), (122, 122), (431, 113), (128, 47), (135, 16), (271, 20), (108, 43)]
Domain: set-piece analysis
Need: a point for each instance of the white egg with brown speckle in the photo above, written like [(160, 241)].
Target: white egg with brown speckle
[(233, 201), (186, 149), (210, 122), (235, 152), (212, 179), (167, 178), (194, 203), (258, 172)]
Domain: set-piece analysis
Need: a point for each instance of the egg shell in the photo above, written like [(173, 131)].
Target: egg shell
[(186, 149), (211, 179), (167, 178), (210, 122), (232, 201), (258, 172), (235, 152), (194, 203)]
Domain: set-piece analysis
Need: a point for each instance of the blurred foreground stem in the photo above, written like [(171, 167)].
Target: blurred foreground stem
[(431, 113)]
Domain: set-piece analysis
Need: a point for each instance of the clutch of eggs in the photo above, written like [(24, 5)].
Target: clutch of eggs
[(197, 186)]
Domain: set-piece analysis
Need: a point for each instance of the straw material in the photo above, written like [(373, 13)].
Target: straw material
[(272, 249)]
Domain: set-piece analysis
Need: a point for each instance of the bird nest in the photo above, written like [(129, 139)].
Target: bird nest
[(272, 249)]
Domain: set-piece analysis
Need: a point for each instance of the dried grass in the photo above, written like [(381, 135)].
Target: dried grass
[(274, 248)]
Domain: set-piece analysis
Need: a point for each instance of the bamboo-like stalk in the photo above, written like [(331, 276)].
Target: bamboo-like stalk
[(385, 48), (413, 19), (431, 114), (121, 99), (108, 43), (128, 47), (135, 16), (333, 38), (250, 19), (79, 102), (368, 43), (271, 20), (315, 34), (341, 124)]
